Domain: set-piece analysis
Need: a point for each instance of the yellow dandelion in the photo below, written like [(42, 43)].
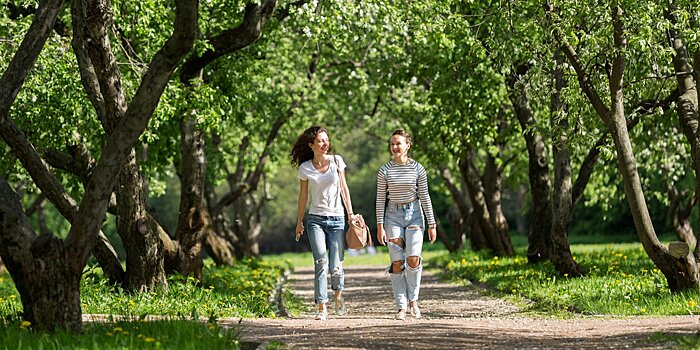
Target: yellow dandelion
[(25, 324), (691, 303), (149, 339), (117, 329), (109, 334)]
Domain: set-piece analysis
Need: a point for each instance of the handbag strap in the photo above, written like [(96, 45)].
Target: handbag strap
[(366, 228), (340, 180)]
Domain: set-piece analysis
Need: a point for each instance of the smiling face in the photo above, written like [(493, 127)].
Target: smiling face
[(398, 146), (321, 143)]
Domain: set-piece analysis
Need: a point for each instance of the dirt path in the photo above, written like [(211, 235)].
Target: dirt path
[(455, 317)]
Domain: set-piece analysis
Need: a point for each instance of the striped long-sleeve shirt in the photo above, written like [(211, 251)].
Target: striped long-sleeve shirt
[(403, 183)]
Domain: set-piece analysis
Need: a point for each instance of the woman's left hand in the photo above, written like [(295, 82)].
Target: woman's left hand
[(432, 234)]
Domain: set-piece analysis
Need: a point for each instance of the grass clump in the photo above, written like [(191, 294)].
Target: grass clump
[(170, 334), (621, 280), (241, 290)]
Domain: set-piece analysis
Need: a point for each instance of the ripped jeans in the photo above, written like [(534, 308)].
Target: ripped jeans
[(405, 221), (327, 240)]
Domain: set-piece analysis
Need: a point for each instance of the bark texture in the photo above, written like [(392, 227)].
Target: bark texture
[(539, 236), (562, 196)]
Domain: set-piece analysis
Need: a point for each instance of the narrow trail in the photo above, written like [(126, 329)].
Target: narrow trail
[(455, 317)]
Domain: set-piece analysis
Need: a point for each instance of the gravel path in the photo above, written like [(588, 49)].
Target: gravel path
[(457, 317)]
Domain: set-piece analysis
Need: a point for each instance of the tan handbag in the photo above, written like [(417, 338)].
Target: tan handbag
[(358, 235)]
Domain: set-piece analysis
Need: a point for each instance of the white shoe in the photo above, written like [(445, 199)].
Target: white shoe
[(401, 315), (340, 309), (415, 311), (321, 315)]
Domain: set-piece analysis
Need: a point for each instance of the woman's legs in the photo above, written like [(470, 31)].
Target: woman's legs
[(317, 240), (336, 249), (414, 261), (404, 225), (393, 224)]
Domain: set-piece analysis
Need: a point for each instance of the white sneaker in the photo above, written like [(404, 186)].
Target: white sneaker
[(401, 315), (340, 309), (415, 312), (321, 315)]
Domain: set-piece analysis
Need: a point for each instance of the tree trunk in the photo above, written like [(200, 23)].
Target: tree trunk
[(492, 193), (48, 287), (539, 236), (143, 247), (562, 195), (490, 228), (247, 225), (193, 220), (477, 241), (687, 105), (521, 224), (679, 214), (218, 240), (459, 213), (457, 223)]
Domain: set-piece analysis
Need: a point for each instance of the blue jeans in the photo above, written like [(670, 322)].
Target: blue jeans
[(405, 221), (327, 233)]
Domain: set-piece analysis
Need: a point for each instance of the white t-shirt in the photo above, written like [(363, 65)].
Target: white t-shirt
[(324, 188)]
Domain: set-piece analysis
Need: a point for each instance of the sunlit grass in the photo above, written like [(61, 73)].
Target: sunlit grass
[(621, 280), (125, 335), (242, 290)]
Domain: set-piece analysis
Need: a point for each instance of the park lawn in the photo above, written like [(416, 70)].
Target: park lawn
[(167, 334), (621, 281), (242, 290)]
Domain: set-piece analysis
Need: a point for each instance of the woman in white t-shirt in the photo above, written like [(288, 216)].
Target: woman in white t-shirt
[(322, 176)]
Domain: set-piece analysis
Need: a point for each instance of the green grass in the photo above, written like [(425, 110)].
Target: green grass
[(169, 334), (242, 290), (621, 281)]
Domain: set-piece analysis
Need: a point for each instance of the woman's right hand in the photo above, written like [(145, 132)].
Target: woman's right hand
[(381, 235), (300, 229)]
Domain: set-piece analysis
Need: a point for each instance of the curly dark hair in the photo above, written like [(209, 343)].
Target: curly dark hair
[(301, 151)]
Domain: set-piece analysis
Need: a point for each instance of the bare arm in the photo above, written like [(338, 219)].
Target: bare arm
[(346, 193), (301, 204)]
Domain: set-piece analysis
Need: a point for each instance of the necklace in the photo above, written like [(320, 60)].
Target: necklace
[(319, 164)]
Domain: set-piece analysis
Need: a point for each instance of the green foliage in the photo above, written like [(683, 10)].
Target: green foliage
[(167, 334), (621, 280)]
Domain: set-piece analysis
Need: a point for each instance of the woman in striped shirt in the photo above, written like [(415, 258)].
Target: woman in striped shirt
[(402, 199)]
